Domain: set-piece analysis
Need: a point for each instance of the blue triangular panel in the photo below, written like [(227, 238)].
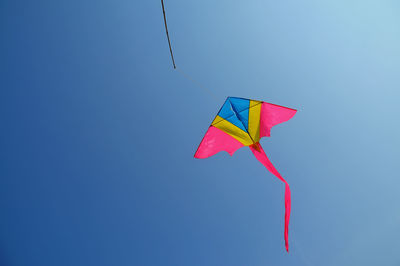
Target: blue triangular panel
[(239, 104), (244, 117), (226, 110), (236, 111)]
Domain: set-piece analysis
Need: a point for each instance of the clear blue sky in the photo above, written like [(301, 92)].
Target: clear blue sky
[(98, 133)]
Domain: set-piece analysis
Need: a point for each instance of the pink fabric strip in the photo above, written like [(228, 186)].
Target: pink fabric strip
[(262, 158)]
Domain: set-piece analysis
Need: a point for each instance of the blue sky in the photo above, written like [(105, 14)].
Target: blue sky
[(98, 133)]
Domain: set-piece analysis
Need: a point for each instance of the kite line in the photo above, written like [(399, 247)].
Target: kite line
[(166, 31), (198, 84), (185, 75)]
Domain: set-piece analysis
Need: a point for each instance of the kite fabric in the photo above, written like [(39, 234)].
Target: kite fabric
[(243, 122)]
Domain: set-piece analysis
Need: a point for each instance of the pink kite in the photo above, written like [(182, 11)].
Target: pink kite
[(242, 122)]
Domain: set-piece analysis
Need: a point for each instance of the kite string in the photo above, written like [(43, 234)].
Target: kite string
[(188, 77), (166, 31), (198, 84)]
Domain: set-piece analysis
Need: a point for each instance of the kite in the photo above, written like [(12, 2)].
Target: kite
[(243, 122)]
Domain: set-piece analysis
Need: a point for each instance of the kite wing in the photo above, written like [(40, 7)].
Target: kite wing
[(271, 115), (214, 141)]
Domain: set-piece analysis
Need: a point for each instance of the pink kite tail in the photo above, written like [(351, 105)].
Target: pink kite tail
[(262, 158)]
